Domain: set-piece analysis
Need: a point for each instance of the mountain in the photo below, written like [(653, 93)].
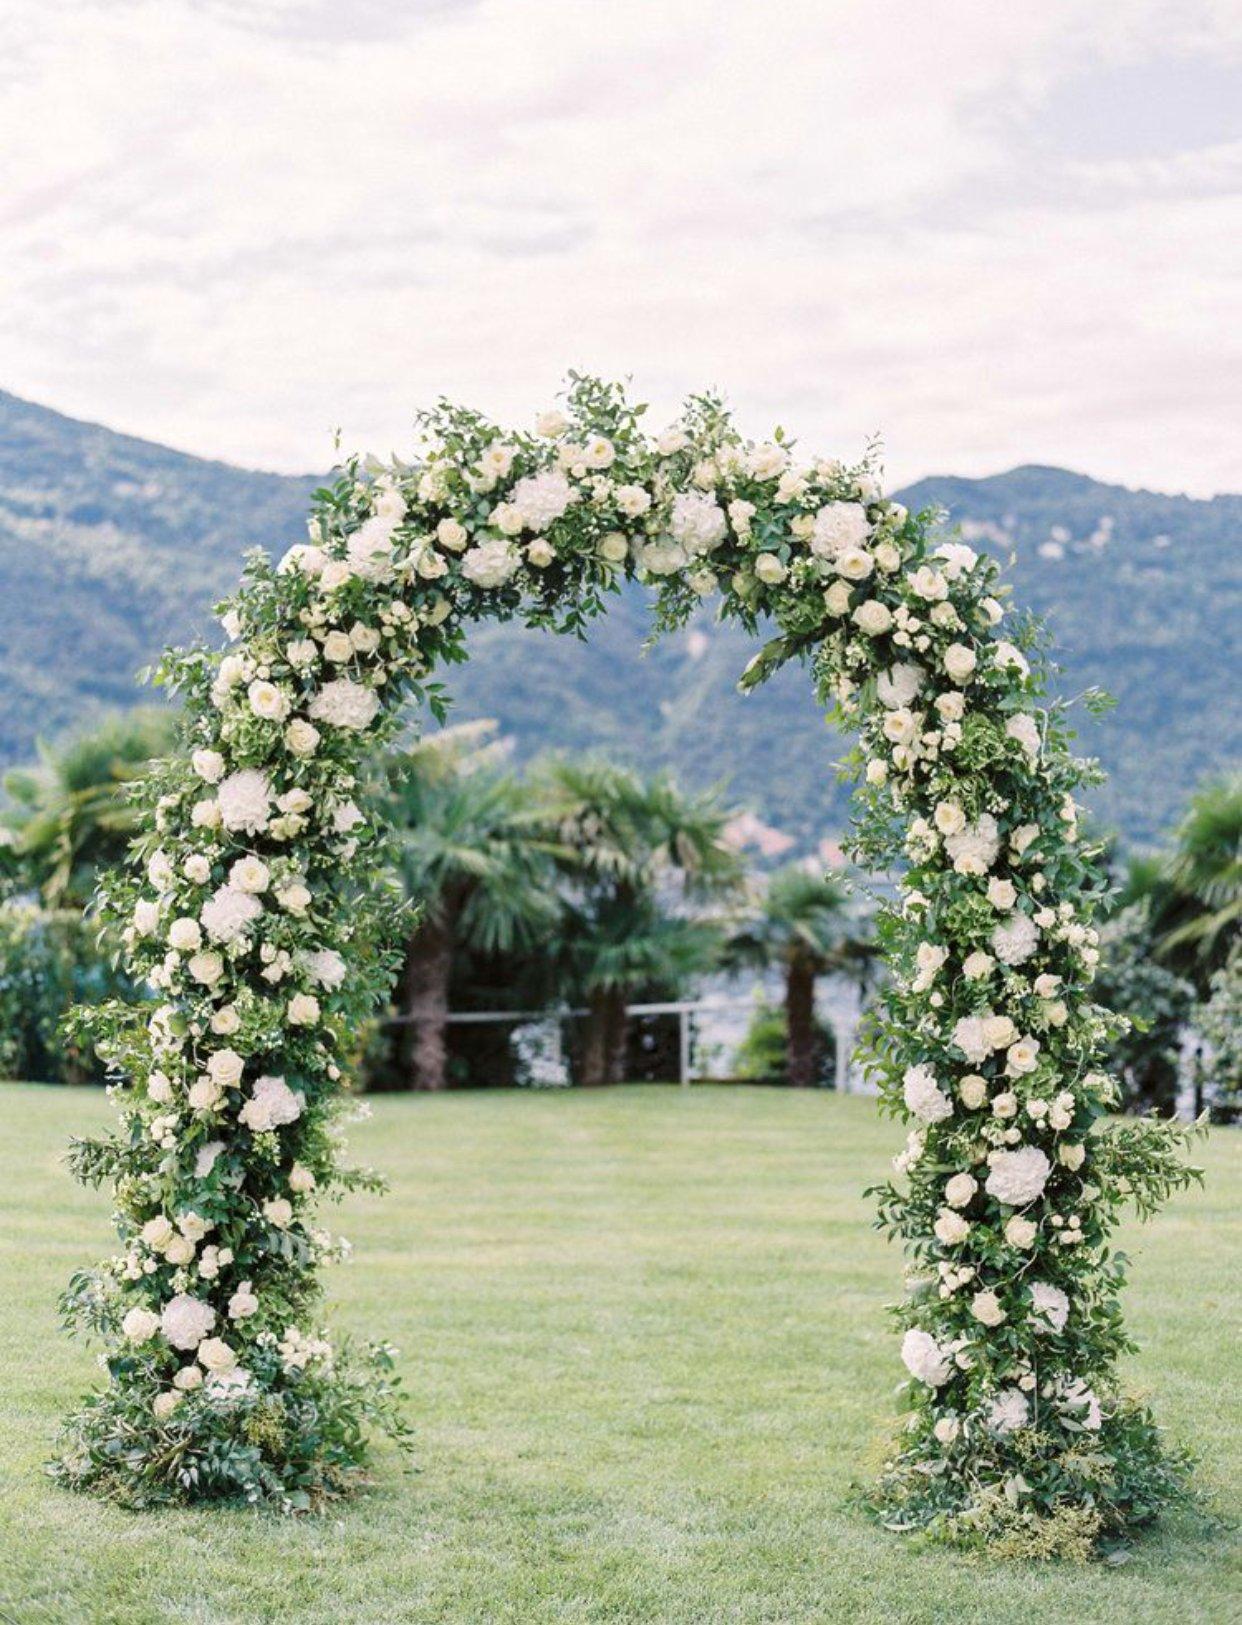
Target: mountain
[(111, 547)]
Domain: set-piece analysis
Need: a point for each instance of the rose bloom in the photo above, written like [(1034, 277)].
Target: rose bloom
[(973, 1091), (295, 897), (303, 1010), (1005, 1105), (951, 1228), (960, 1189), (338, 648), (1020, 1232), (267, 701), (999, 1031), (928, 583), (873, 618), (986, 1308), (301, 1179), (960, 662), (769, 569), (949, 818), (225, 1021), (854, 563), (185, 934), (249, 874), (977, 965), (1021, 1057), (1001, 893), (206, 968), (216, 1355), (278, 1210), (900, 727), (209, 765), (1071, 1156)]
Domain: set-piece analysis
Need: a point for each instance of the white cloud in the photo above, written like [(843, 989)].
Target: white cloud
[(236, 225)]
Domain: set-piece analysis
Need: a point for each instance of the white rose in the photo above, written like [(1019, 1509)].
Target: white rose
[(209, 765), (1001, 893), (185, 934), (207, 968), (1020, 1232), (837, 598), (873, 618), (959, 1190), (226, 1067), (295, 897), (301, 1179), (951, 1228), (243, 1303), (986, 1308), (268, 701), (769, 569), (1071, 1156), (303, 1010), (949, 818), (977, 965), (278, 1210), (338, 648), (973, 1091), (960, 662), (249, 874), (140, 1325), (854, 563), (1021, 1058), (216, 1356)]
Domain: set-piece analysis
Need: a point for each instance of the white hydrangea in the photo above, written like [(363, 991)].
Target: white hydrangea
[(1010, 1409), (345, 704), (897, 687), (1025, 730), (493, 562), (369, 549), (973, 850), (924, 1358), (186, 1320), (326, 966), (1049, 1306), (228, 914), (271, 1104), (1017, 1178), (923, 1095), (541, 499), (1014, 940), (245, 801), (697, 522), (839, 525)]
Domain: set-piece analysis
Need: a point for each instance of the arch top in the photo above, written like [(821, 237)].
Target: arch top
[(256, 917)]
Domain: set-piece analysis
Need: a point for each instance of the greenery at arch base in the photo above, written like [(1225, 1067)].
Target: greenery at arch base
[(256, 913)]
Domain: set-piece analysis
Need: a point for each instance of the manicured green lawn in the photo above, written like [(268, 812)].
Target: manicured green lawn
[(642, 1330)]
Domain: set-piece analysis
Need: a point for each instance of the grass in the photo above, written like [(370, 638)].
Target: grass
[(644, 1337)]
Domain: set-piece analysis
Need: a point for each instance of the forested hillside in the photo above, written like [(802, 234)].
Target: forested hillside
[(110, 547)]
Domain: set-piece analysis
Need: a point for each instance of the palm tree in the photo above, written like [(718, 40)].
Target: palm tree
[(631, 847), (471, 855), (1193, 897), (71, 817), (802, 922)]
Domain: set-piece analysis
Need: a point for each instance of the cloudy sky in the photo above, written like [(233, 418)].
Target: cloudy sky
[(996, 232)]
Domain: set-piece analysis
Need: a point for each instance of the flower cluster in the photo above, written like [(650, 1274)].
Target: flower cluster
[(252, 915)]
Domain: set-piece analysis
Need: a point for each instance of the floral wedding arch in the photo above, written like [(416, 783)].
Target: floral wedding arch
[(257, 914)]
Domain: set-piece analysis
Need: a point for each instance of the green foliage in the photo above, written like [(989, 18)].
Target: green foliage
[(764, 1050)]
